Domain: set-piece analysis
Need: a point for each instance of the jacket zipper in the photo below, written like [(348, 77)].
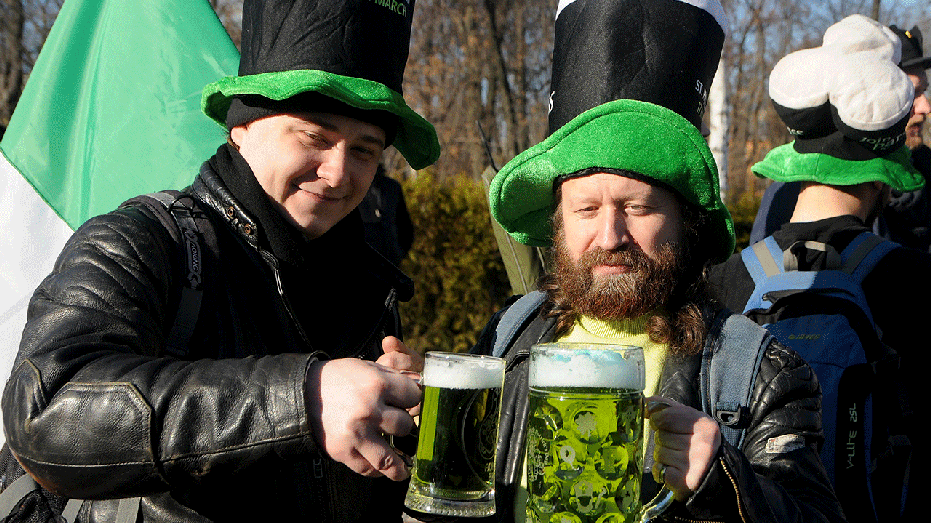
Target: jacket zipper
[(390, 302), (273, 263)]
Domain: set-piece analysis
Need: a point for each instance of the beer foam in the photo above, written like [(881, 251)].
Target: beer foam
[(457, 372), (580, 367)]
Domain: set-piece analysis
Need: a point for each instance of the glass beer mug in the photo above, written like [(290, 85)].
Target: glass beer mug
[(454, 467), (585, 435)]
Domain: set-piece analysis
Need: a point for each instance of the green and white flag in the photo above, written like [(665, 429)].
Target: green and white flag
[(110, 110)]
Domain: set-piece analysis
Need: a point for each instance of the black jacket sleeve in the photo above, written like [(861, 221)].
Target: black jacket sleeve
[(93, 411), (778, 477)]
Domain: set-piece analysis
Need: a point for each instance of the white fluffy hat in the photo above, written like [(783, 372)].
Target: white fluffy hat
[(850, 84), (847, 103)]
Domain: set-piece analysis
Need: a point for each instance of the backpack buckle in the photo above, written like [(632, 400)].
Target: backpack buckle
[(735, 416)]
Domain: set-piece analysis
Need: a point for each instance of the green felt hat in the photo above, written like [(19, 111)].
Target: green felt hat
[(785, 164), (354, 51), (416, 138), (628, 93), (631, 135)]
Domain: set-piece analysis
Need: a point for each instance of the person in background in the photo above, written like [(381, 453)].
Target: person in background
[(906, 219), (849, 119)]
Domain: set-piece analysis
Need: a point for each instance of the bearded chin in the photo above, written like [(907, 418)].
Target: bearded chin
[(647, 287)]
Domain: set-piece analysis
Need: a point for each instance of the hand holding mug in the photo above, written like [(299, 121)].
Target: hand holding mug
[(686, 442)]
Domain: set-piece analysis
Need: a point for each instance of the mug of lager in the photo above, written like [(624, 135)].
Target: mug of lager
[(585, 433), (454, 467)]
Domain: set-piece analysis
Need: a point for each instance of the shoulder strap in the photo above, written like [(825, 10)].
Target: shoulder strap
[(15, 492), (514, 319), (760, 259), (730, 363), (181, 208), (863, 253)]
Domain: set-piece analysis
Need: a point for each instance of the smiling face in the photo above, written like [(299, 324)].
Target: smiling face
[(316, 166)]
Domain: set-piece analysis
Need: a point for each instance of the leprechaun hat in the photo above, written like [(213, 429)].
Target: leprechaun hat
[(629, 87), (354, 51), (846, 103)]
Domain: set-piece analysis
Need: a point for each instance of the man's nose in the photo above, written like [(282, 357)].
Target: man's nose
[(614, 233), (921, 105), (334, 167)]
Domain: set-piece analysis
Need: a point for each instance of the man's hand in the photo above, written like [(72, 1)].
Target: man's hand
[(352, 405), (686, 442), (408, 361), (398, 356)]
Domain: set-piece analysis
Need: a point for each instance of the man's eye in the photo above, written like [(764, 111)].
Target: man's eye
[(365, 153), (315, 139)]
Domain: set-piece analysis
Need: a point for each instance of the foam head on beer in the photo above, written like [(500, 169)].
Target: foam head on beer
[(457, 372), (588, 365)]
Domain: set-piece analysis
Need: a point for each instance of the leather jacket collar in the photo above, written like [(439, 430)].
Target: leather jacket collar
[(209, 187)]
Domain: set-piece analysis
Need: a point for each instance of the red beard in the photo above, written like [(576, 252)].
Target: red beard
[(647, 286)]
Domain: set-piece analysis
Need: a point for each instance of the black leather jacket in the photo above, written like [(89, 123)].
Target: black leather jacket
[(778, 476), (95, 410)]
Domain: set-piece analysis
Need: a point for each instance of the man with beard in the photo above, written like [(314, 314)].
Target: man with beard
[(848, 154), (625, 191)]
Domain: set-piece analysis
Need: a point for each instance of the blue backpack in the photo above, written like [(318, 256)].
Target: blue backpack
[(823, 315)]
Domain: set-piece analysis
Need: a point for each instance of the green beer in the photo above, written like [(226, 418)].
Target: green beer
[(454, 467), (585, 435), (584, 457)]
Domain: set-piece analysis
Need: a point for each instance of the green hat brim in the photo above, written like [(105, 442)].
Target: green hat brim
[(785, 164), (416, 138), (645, 138)]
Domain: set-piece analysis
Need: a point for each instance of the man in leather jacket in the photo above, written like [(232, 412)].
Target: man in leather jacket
[(626, 193), (279, 405)]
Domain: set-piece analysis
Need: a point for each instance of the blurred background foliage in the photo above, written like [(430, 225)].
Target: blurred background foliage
[(459, 277)]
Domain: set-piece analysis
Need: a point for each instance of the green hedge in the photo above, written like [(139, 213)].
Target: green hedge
[(459, 278), (743, 211)]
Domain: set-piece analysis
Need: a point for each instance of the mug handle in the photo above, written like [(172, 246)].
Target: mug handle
[(657, 506)]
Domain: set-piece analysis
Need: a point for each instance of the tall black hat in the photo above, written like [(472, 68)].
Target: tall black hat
[(663, 52), (912, 52), (354, 51), (629, 88)]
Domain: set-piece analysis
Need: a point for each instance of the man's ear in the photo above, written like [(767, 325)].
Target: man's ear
[(236, 135)]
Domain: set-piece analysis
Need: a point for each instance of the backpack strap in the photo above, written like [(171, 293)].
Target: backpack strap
[(181, 207), (760, 259), (514, 319), (863, 253), (70, 514), (15, 492), (730, 362)]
